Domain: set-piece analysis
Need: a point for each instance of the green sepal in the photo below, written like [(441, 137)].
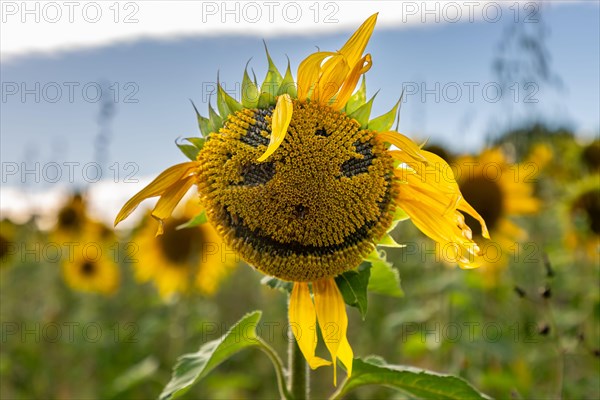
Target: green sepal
[(353, 287), (384, 279), (412, 382), (358, 99), (270, 85), (384, 122), (203, 122), (232, 104), (250, 93), (215, 121), (388, 241), (188, 150), (278, 284), (192, 223), (196, 141), (363, 113), (288, 86)]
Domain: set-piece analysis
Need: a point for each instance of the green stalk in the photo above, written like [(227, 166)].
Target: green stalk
[(299, 378)]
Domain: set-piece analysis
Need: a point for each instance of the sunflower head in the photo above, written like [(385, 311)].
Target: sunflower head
[(302, 183), (315, 207)]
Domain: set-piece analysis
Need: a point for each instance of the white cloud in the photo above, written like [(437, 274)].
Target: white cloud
[(50, 26)]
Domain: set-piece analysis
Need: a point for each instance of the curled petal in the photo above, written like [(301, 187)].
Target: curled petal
[(355, 46), (309, 72), (363, 65)]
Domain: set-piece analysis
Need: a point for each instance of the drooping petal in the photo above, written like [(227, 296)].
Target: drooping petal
[(158, 187), (432, 199), (282, 115), (333, 321), (169, 200), (303, 320)]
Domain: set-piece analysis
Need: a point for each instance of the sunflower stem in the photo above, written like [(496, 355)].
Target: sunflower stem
[(298, 368)]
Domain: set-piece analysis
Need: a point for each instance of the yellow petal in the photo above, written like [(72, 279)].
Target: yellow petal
[(403, 143), (333, 321), (169, 200), (158, 187), (309, 71), (280, 121), (361, 67), (303, 320), (333, 74), (355, 46)]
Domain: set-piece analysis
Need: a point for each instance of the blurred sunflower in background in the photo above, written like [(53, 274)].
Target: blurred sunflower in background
[(303, 184), (90, 265), (182, 258), (582, 211), (89, 249), (499, 190), (7, 240), (590, 156)]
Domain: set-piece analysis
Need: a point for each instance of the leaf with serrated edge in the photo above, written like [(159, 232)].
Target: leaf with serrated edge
[(413, 382), (192, 367), (278, 284), (385, 279)]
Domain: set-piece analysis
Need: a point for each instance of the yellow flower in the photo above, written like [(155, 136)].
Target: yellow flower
[(499, 190), (583, 215), (180, 259), (303, 184), (90, 265)]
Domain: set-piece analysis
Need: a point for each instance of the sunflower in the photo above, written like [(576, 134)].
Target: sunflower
[(7, 238), (583, 214), (182, 258), (90, 266), (70, 220), (499, 190), (303, 184)]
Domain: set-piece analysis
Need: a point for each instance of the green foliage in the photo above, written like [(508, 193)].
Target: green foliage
[(414, 382), (196, 221), (191, 368), (353, 286)]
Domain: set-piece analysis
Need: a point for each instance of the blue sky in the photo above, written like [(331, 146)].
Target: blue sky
[(164, 74)]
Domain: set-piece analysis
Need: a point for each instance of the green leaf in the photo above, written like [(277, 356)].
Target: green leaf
[(358, 98), (288, 85), (413, 382), (190, 151), (363, 113), (191, 368), (384, 122), (203, 122), (278, 284), (353, 286), (249, 91), (385, 279), (196, 221)]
